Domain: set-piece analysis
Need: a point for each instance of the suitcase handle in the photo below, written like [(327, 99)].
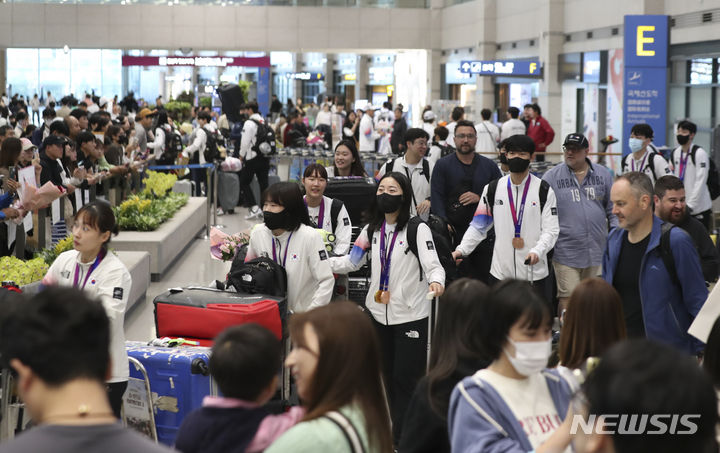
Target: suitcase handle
[(198, 366)]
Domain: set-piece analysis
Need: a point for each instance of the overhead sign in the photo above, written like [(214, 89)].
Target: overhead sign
[(305, 76), (454, 75), (218, 61), (501, 67), (350, 77), (647, 40)]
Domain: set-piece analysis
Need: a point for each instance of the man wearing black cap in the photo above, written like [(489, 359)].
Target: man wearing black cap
[(52, 169), (584, 212), (523, 210)]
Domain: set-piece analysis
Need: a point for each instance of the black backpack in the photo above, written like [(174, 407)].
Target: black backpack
[(651, 162), (264, 140), (260, 275), (212, 145), (445, 149), (425, 168), (492, 188), (335, 208), (173, 147), (713, 180), (442, 241)]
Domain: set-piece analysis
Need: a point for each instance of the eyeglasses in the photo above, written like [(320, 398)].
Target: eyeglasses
[(465, 136), (572, 150)]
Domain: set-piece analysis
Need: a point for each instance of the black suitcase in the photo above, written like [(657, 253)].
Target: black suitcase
[(228, 190), (355, 193)]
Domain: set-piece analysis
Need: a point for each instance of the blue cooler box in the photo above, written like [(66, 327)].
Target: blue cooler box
[(179, 380)]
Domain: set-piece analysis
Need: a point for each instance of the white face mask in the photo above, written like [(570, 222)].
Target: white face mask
[(530, 356)]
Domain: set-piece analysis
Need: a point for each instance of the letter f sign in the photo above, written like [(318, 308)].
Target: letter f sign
[(533, 68), (642, 40)]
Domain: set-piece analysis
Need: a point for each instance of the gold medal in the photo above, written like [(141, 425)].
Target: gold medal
[(378, 294), (518, 243), (385, 297)]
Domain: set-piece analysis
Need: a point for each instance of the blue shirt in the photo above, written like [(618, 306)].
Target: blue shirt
[(584, 212)]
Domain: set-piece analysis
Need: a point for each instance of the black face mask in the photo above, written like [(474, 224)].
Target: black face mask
[(277, 220), (503, 158), (683, 139), (518, 164), (389, 203)]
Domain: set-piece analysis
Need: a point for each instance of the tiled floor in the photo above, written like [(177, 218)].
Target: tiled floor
[(194, 266)]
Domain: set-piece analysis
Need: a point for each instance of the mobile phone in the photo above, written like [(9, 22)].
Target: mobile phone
[(13, 173)]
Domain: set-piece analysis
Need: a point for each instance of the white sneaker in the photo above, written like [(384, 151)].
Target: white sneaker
[(254, 213), (220, 212)]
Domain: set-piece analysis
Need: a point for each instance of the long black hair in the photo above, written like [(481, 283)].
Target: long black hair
[(289, 196), (457, 348), (356, 168), (376, 217)]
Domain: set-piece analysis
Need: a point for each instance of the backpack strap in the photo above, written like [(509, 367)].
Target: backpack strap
[(335, 208), (544, 188), (389, 166), (412, 227), (348, 429), (666, 252), (623, 165), (692, 152), (490, 195), (426, 169)]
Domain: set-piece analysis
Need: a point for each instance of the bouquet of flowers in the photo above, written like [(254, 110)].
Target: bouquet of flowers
[(39, 197), (225, 246)]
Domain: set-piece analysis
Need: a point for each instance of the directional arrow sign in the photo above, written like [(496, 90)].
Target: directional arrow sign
[(465, 66)]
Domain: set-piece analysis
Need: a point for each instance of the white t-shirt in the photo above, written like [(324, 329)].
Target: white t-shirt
[(530, 401)]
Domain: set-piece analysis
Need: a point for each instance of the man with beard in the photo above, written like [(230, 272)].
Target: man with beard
[(457, 181), (671, 207)]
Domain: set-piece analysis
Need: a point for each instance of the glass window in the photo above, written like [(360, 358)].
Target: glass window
[(22, 71), (54, 70), (111, 73), (86, 71), (700, 110), (701, 71)]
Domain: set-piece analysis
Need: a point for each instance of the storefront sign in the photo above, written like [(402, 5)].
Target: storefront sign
[(501, 67), (350, 77), (220, 62), (645, 75), (312, 76)]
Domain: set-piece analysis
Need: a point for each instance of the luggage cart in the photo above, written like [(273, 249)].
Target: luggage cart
[(133, 403)]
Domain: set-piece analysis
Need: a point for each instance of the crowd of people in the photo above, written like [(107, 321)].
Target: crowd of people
[(622, 262)]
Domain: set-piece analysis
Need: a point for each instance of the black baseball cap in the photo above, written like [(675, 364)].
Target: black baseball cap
[(53, 140), (576, 141)]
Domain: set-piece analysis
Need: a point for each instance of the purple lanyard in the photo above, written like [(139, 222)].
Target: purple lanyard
[(642, 162), (94, 266), (287, 246), (321, 214), (683, 165), (385, 256), (518, 217)]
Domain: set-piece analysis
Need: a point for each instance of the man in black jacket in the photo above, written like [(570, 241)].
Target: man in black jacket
[(52, 169), (670, 206)]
